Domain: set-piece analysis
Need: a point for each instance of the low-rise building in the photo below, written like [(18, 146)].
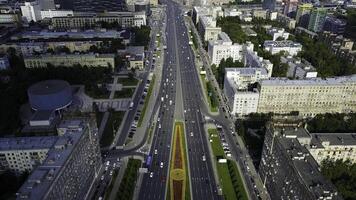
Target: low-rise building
[(231, 12), (223, 48), (278, 33), (87, 20), (299, 69), (207, 28), (287, 46), (134, 56), (287, 169), (72, 164), (31, 11), (305, 31), (68, 60), (309, 97), (48, 14), (252, 60), (286, 21), (259, 13)]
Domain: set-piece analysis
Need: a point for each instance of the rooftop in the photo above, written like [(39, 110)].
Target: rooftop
[(283, 43), (42, 178), (45, 34), (305, 166), (27, 143), (247, 71), (319, 140), (341, 80)]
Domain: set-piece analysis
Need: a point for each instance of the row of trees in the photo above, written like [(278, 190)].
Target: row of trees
[(127, 185), (326, 63), (141, 36), (333, 122), (342, 175)]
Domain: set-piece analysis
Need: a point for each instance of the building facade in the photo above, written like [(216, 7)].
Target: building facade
[(55, 13), (317, 19), (68, 60), (334, 25), (124, 19), (286, 21), (207, 28), (23, 154), (303, 13), (308, 97), (223, 48)]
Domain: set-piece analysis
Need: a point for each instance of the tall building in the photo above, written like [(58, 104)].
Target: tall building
[(47, 4), (71, 166), (31, 11), (269, 5), (207, 28), (303, 13), (288, 170), (290, 7), (308, 97), (334, 25), (317, 19)]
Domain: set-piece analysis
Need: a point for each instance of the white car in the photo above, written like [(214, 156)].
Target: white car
[(155, 151), (102, 177), (111, 173), (191, 134), (161, 165), (151, 174)]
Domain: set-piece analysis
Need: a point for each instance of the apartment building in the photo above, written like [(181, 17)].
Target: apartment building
[(9, 18), (21, 154), (207, 28), (71, 166), (288, 170), (287, 46), (299, 69), (308, 97), (223, 48), (214, 11), (278, 33), (87, 20), (68, 60), (31, 11), (333, 146)]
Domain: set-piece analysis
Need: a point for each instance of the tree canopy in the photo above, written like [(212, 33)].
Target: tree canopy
[(333, 122)]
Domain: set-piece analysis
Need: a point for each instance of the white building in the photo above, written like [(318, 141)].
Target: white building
[(288, 46), (223, 48), (241, 102), (207, 28), (31, 11), (231, 12), (55, 13), (278, 33), (9, 18), (214, 11), (251, 59), (242, 77), (4, 62)]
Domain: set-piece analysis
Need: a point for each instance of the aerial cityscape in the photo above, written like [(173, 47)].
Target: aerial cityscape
[(177, 99)]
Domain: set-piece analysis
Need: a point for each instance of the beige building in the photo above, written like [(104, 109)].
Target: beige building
[(22, 154), (90, 60), (308, 97), (334, 146)]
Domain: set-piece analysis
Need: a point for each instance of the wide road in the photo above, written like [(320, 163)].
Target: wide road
[(201, 172), (155, 187)]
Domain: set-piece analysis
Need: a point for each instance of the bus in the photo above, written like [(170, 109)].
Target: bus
[(148, 161)]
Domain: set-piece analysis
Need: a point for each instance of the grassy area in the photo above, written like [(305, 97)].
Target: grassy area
[(212, 98), (151, 132), (147, 98), (229, 176), (111, 127), (127, 81), (178, 166), (124, 93), (127, 185), (97, 92)]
